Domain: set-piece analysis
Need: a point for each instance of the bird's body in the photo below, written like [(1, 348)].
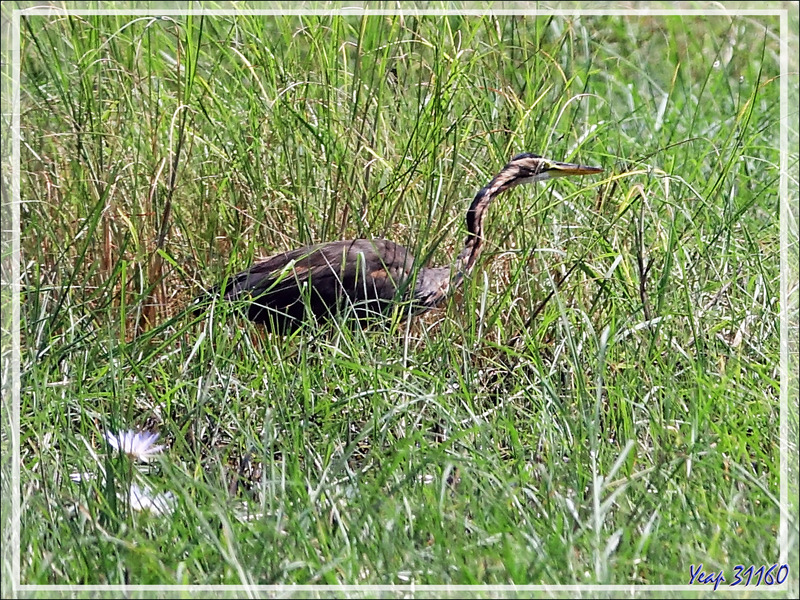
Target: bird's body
[(371, 276), (367, 274)]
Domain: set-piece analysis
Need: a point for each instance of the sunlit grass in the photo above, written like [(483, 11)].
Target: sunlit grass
[(599, 404)]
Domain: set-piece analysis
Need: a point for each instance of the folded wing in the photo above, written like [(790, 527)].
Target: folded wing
[(364, 275)]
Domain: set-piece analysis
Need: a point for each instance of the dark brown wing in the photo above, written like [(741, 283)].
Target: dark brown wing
[(326, 278)]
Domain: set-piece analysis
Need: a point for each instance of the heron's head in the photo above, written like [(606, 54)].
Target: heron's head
[(528, 168), (523, 168)]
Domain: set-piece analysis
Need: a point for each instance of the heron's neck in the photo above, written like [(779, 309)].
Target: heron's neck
[(473, 245)]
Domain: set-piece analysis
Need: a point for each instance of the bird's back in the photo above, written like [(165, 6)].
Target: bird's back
[(362, 275)]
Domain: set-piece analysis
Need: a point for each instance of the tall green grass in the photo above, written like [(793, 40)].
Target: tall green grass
[(599, 405)]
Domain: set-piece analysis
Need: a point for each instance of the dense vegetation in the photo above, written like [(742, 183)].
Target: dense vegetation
[(599, 405)]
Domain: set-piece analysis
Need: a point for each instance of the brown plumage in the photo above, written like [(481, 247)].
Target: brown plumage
[(370, 276)]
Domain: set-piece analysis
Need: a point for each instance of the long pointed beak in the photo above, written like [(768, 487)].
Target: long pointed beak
[(560, 169)]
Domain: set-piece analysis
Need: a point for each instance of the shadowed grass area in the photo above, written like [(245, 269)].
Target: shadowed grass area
[(598, 405)]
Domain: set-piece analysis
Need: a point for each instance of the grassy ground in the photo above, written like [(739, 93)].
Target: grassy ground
[(599, 405)]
